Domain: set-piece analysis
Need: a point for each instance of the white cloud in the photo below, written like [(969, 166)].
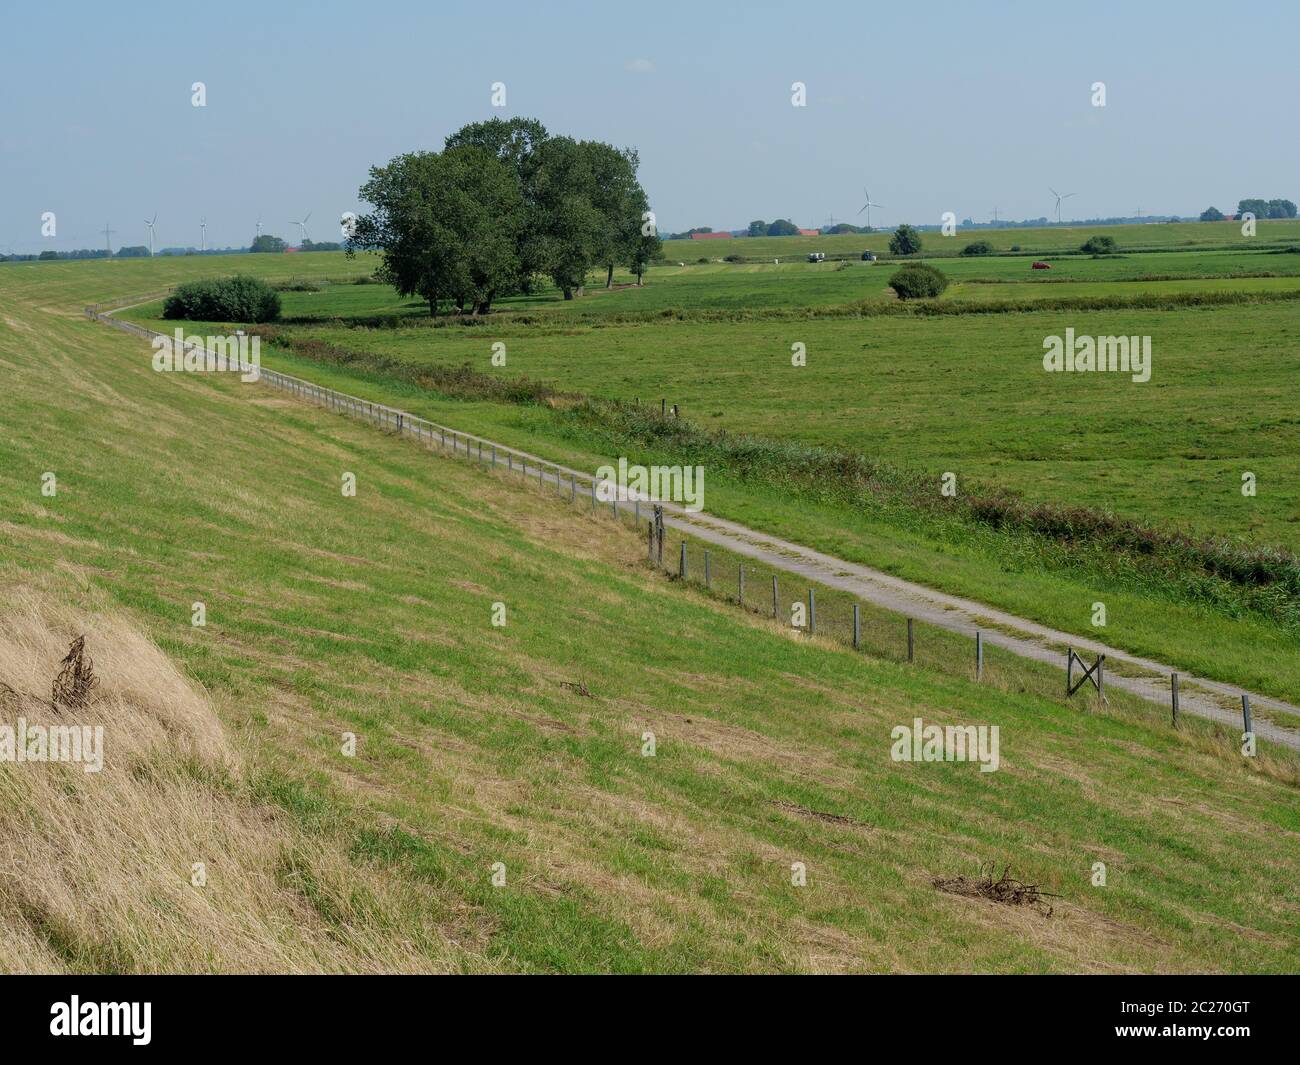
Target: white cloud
[(639, 66)]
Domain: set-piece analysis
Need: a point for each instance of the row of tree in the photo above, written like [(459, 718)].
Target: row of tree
[(503, 204), (1258, 208), (266, 243)]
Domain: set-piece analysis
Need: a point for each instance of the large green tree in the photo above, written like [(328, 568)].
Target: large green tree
[(571, 225), (446, 224), (620, 201), (905, 241), (516, 142), (502, 204)]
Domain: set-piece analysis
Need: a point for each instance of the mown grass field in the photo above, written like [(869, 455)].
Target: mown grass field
[(522, 744), (1157, 236), (960, 391)]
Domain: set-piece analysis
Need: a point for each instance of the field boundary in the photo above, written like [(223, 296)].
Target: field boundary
[(985, 625)]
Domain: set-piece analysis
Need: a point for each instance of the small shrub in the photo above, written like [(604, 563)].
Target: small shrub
[(223, 299), (918, 281), (1099, 246), (978, 247), (731, 259), (1015, 247)]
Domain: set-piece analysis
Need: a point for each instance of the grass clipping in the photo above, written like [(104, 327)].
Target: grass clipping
[(162, 861), (1005, 890)]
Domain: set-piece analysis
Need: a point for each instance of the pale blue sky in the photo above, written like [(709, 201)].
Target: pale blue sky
[(937, 106)]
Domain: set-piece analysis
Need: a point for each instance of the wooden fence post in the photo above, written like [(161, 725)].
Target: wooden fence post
[(979, 655), (1069, 670), (812, 612), (708, 579), (776, 599), (650, 541), (1173, 696), (742, 584), (1245, 711), (857, 630), (910, 644), (681, 567)]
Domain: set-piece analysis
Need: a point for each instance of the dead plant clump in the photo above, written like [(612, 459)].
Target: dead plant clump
[(1004, 890), (76, 678)]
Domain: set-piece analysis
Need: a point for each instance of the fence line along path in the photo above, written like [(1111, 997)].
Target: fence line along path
[(1144, 677)]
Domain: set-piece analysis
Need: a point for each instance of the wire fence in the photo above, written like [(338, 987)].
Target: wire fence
[(811, 608)]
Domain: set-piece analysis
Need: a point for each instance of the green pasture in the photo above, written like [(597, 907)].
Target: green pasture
[(524, 744)]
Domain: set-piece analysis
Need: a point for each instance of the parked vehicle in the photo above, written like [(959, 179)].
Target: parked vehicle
[(816, 256)]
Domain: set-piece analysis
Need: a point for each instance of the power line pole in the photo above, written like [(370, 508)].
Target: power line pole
[(108, 244)]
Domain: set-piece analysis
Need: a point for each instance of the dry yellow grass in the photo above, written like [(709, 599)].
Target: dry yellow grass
[(96, 868)]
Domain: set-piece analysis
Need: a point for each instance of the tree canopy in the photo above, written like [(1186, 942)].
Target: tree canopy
[(503, 203), (1266, 208), (905, 241), (267, 243)]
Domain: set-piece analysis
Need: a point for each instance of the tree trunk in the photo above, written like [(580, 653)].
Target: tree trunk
[(638, 279), (609, 277), (433, 306), (568, 293)]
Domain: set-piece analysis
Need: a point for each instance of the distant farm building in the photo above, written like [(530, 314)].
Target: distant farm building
[(810, 232), (710, 236)]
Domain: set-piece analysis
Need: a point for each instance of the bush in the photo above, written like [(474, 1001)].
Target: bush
[(979, 247), (223, 299), (297, 285), (918, 281), (1015, 247), (905, 241), (1099, 246)]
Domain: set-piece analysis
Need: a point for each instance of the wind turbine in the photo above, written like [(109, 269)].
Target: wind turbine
[(868, 205), (149, 222), (1059, 198), (203, 226), (303, 226)]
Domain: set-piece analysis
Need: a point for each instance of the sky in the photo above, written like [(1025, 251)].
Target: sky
[(935, 107)]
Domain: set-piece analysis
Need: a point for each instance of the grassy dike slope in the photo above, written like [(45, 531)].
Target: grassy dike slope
[(522, 744)]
